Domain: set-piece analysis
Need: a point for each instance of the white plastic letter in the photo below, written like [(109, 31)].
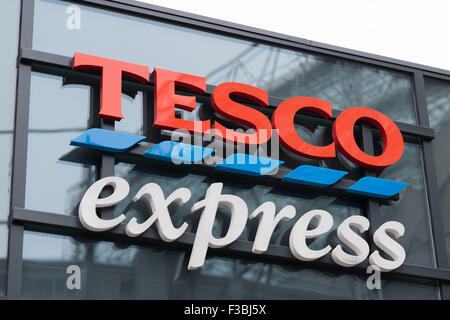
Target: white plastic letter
[(388, 245), (353, 240), (300, 232), (154, 194), (87, 211), (204, 238), (267, 223)]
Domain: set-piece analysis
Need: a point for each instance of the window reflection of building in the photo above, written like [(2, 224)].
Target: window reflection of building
[(286, 74)]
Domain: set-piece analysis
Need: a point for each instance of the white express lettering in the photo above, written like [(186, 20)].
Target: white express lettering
[(269, 220)]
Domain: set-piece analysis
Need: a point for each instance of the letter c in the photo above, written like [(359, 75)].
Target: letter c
[(283, 120)]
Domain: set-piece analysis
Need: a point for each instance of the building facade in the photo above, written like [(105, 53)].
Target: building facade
[(46, 104)]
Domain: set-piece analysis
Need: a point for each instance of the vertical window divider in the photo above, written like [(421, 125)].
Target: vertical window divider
[(438, 233), (372, 206), (107, 161), (20, 145)]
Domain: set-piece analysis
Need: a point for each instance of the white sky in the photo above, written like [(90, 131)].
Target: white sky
[(410, 30)]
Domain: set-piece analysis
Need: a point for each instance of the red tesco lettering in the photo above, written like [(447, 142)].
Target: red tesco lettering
[(166, 101)]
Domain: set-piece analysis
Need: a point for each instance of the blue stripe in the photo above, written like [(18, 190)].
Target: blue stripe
[(376, 187), (106, 140), (314, 176), (248, 164), (178, 152)]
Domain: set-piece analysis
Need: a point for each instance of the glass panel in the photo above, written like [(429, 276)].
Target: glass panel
[(438, 101), (284, 73), (112, 271), (412, 207), (57, 114), (9, 20)]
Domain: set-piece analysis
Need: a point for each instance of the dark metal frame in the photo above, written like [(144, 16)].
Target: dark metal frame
[(22, 219)]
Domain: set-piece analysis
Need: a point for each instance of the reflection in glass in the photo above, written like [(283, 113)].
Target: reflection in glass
[(284, 73), (438, 101), (412, 207), (112, 271), (57, 114)]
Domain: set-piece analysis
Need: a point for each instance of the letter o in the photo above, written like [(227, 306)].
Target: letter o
[(346, 144)]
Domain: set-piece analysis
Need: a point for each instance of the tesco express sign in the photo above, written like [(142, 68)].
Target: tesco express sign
[(166, 100)]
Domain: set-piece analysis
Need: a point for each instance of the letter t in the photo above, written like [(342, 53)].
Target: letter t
[(111, 80)]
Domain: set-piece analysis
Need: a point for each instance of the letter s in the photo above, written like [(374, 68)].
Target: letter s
[(223, 105), (353, 240), (388, 245)]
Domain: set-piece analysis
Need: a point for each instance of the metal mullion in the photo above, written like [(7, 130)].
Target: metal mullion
[(20, 145), (372, 206), (437, 226), (18, 182), (107, 170), (104, 167), (420, 99), (148, 116)]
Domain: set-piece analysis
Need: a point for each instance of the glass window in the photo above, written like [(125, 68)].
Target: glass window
[(9, 20), (57, 178), (283, 73), (57, 114), (113, 271), (412, 207), (438, 102)]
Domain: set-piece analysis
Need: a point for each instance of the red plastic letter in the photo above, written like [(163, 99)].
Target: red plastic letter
[(283, 120), (345, 141), (111, 80), (166, 100), (223, 105)]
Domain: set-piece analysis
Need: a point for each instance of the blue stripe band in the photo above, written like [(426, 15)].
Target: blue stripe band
[(106, 140)]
